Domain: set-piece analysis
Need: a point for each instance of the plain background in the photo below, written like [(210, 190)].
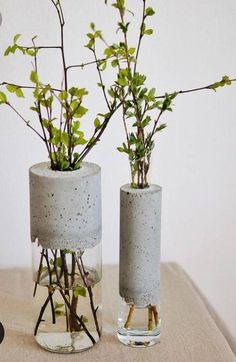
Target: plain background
[(193, 45)]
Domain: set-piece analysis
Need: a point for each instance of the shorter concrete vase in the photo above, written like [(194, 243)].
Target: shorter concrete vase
[(140, 231), (65, 212)]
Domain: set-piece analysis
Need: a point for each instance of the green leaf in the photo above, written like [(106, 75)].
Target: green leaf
[(146, 122), (81, 111), (122, 82), (78, 92), (16, 37), (224, 81), (11, 88), (58, 262), (63, 95), (111, 93), (92, 26), (7, 51), (77, 166), (161, 127), (60, 313), (120, 149), (131, 51), (76, 141), (151, 93), (79, 291), (65, 165), (148, 32), (75, 126), (98, 34), (114, 63), (34, 77), (3, 98), (149, 11), (102, 65), (19, 93), (15, 89), (81, 92), (31, 52), (109, 52), (85, 319), (58, 305), (97, 123), (65, 138)]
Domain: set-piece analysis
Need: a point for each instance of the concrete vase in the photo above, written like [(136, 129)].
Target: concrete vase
[(139, 273)]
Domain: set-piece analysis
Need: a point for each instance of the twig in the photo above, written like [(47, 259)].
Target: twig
[(26, 122), (40, 47), (140, 36), (207, 87), (131, 311), (82, 65), (39, 273), (94, 310), (88, 287), (66, 281), (101, 79), (26, 86), (98, 133), (155, 313), (78, 318), (150, 324), (50, 288), (41, 315)]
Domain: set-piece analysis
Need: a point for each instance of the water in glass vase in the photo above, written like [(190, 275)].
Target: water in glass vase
[(138, 326), (67, 302)]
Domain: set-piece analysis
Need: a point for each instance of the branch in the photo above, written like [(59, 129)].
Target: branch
[(26, 86), (208, 87), (154, 128), (39, 106), (96, 136), (82, 65), (26, 122), (140, 35), (101, 79), (59, 11), (40, 47)]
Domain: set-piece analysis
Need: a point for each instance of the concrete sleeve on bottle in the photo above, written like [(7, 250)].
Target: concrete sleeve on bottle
[(65, 207), (140, 237)]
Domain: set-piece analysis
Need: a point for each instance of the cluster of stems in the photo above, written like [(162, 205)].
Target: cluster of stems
[(142, 108), (57, 274), (152, 317), (61, 133)]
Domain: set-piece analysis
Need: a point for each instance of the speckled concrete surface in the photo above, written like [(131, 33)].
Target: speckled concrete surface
[(140, 236), (65, 207)]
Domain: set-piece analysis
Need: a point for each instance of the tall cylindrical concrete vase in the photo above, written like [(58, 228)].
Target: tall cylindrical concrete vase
[(65, 212), (139, 282)]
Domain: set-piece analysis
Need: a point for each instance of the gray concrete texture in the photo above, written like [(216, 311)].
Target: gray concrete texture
[(140, 238), (65, 207)]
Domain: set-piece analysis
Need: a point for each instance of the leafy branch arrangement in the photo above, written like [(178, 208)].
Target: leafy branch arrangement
[(62, 272), (61, 133), (142, 108)]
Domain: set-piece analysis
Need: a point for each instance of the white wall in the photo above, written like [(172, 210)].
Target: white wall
[(194, 45)]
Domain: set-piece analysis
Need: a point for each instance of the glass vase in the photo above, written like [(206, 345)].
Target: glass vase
[(67, 298), (66, 252)]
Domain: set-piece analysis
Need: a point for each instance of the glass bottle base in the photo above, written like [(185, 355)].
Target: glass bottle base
[(65, 342), (138, 339)]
